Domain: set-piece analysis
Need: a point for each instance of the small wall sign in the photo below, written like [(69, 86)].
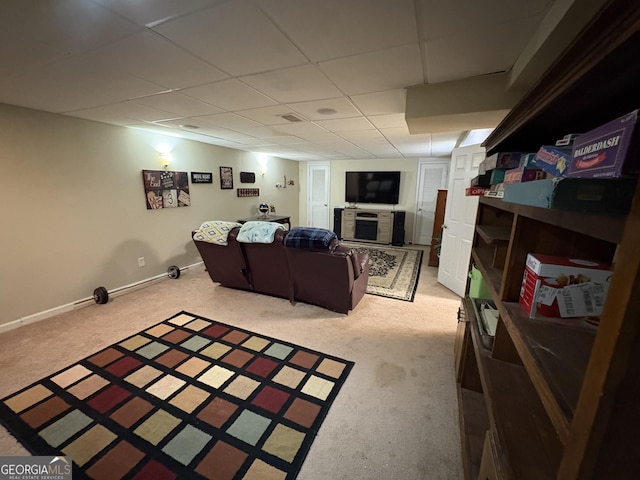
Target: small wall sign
[(248, 192), (201, 177)]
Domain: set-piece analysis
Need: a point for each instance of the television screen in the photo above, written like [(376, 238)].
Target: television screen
[(372, 187)]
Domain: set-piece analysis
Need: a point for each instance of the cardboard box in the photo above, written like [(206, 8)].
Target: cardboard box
[(553, 160), (504, 160), (497, 176), (523, 174), (595, 195), (483, 180), (528, 160), (475, 191), (563, 287), (496, 191), (607, 151)]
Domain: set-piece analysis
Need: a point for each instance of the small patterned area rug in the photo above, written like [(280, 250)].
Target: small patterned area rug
[(394, 271), (188, 398)]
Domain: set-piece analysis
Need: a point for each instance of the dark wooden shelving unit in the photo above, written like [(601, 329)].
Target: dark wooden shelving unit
[(558, 397)]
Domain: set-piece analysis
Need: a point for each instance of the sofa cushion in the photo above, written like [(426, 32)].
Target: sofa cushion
[(259, 232), (214, 231), (310, 237)]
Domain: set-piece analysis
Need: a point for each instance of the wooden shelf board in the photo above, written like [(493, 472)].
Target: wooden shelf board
[(604, 227), (529, 445), (483, 256), (494, 233), (555, 352), (474, 424)]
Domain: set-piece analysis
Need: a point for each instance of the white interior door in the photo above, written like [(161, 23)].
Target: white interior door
[(459, 219), (432, 176), (318, 201)]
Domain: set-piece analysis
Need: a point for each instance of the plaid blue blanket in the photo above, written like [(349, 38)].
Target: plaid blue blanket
[(310, 237)]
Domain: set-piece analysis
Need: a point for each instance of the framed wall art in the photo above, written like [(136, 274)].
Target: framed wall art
[(201, 177), (226, 178), (247, 177), (166, 189)]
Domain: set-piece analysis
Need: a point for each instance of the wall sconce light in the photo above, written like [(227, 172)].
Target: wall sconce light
[(164, 152), (262, 161)]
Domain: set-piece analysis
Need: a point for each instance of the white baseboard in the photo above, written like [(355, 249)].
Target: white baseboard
[(85, 302)]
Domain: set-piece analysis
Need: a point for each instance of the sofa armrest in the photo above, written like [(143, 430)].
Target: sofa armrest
[(358, 260)]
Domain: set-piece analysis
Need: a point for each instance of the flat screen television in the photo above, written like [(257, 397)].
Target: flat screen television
[(372, 187)]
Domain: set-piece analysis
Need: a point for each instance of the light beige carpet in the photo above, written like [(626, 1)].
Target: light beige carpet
[(396, 416)]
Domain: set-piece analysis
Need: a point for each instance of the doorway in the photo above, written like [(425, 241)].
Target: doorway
[(318, 175), (432, 176)]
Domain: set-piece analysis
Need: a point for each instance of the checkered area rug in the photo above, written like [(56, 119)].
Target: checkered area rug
[(187, 398)]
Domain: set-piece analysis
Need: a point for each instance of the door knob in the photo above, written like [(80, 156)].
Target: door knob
[(444, 226)]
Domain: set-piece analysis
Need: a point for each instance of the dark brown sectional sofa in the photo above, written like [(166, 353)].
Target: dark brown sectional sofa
[(333, 277)]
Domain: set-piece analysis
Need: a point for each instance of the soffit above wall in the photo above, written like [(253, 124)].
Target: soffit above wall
[(478, 102)]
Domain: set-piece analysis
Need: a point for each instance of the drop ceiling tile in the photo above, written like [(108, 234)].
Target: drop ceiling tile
[(124, 113), (262, 132), (443, 143), (337, 28), (236, 37), (398, 132), (381, 103), (410, 139), (469, 54), (230, 121), (151, 12), (377, 71), (306, 130), (225, 134), (318, 137), (74, 26), (24, 54), (297, 84), (149, 56), (229, 95), (369, 136), (345, 124), (445, 17), (382, 151), (446, 136), (393, 120), (179, 104), (76, 83), (415, 149), (286, 140), (267, 115), (326, 109)]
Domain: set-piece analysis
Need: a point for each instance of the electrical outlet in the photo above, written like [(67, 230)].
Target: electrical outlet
[(141, 262)]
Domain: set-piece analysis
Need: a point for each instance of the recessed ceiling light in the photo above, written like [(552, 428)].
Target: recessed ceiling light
[(326, 111), (190, 127)]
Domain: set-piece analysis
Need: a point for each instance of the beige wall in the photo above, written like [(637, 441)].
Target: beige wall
[(408, 182), (74, 216)]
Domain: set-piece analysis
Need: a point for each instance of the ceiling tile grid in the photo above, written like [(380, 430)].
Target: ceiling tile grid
[(305, 80)]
